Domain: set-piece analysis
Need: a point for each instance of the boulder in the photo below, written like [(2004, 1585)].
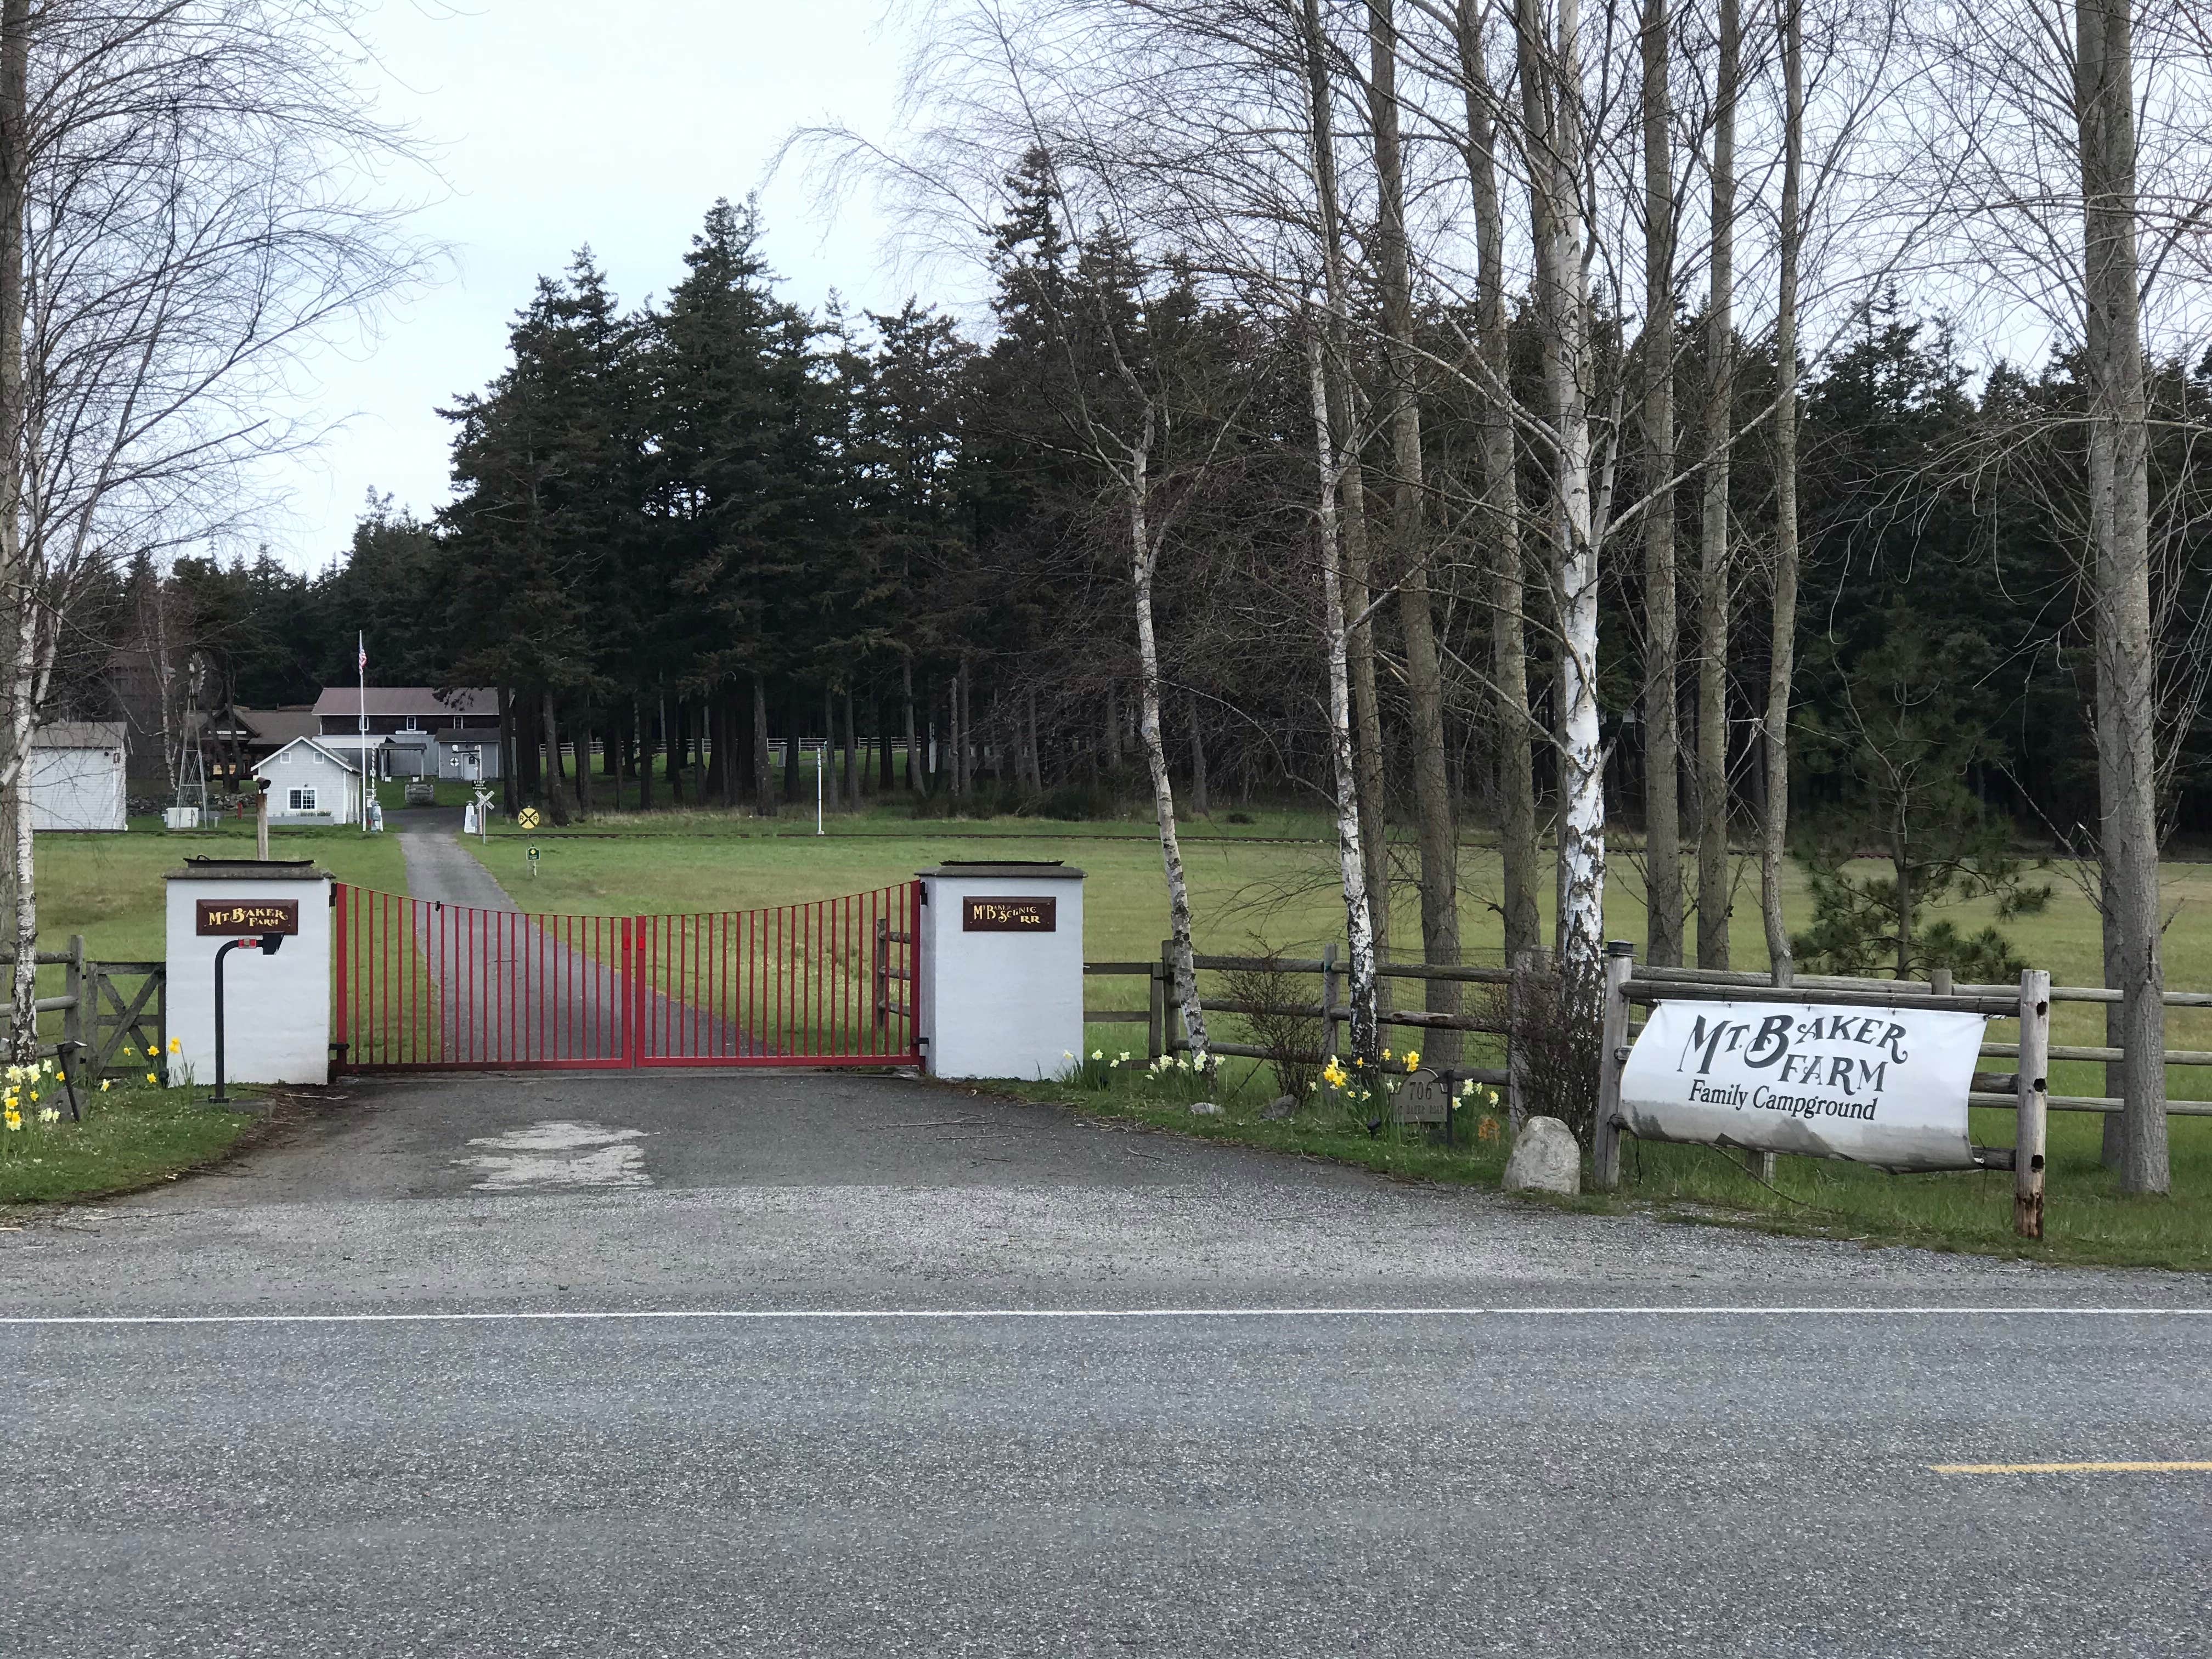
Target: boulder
[(1545, 1159), (1281, 1107), (1204, 1109)]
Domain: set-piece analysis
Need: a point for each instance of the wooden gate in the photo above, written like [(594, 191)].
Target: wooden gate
[(420, 985)]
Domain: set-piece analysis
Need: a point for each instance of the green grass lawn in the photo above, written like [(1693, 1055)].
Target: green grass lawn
[(110, 887), (132, 1136)]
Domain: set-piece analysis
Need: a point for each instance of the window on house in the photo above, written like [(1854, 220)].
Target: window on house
[(303, 800), (412, 723)]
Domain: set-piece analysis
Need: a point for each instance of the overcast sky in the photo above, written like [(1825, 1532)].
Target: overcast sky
[(560, 123)]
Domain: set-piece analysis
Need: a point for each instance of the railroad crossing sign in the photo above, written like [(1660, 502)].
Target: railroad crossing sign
[(483, 825), (527, 819)]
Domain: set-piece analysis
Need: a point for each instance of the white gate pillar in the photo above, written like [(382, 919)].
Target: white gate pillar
[(278, 1028), (1001, 965)]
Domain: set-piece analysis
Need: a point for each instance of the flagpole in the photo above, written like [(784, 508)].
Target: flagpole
[(361, 661)]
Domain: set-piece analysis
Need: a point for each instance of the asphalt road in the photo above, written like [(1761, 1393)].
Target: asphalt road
[(757, 1364)]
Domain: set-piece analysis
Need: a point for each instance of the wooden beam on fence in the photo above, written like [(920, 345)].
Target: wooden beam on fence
[(1651, 990), (2029, 1144), (1612, 1054)]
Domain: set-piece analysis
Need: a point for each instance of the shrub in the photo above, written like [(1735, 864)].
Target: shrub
[(1558, 1025), (1289, 1024)]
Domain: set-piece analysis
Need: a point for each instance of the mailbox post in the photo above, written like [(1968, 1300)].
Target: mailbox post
[(268, 943)]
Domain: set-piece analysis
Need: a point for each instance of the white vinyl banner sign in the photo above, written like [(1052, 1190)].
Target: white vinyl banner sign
[(1885, 1086)]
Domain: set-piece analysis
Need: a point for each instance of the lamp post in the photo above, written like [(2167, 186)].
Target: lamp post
[(269, 944)]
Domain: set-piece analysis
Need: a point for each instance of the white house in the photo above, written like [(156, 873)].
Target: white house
[(76, 779), (309, 783), (415, 731)]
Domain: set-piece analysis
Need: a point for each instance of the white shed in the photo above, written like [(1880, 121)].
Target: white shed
[(310, 784), (76, 779)]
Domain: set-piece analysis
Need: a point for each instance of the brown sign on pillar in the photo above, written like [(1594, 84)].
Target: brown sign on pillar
[(1009, 915), (245, 918)]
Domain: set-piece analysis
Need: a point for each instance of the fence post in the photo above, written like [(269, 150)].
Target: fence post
[(75, 984), (1516, 1062), (1167, 1010), (1332, 985), (1612, 1051), (2034, 1086), (1940, 982), (1156, 1013), (1783, 973)]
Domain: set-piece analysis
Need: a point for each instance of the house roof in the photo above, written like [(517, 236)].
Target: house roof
[(278, 727), (345, 762), (344, 702), (79, 734)]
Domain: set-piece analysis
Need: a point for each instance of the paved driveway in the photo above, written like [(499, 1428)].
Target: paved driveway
[(753, 1364)]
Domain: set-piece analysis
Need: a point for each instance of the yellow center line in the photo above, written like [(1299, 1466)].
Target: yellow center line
[(2071, 1469)]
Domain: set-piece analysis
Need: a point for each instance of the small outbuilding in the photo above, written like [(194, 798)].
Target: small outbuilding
[(76, 780), (309, 783)]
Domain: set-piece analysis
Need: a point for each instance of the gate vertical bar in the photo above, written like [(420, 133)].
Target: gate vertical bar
[(633, 1040), (343, 894)]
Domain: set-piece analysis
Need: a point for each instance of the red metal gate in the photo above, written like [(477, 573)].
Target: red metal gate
[(423, 985)]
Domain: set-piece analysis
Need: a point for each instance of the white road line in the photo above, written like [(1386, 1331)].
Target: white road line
[(857, 1315)]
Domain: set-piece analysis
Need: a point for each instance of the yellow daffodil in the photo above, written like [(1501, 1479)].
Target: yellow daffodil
[(1098, 1053), (105, 1083), (1386, 1053), (176, 1045), (1412, 1058), (14, 1121), (149, 1077), (50, 1115)]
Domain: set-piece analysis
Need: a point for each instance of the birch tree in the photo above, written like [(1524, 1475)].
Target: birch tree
[(1552, 95), (1352, 862), (187, 199)]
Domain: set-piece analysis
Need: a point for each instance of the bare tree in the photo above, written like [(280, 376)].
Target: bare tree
[(1662, 833), (2126, 653), (191, 191), (1716, 534), (1436, 818), (1774, 825)]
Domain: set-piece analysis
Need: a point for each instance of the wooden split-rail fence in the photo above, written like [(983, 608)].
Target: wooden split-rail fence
[(2024, 1089), (114, 1014)]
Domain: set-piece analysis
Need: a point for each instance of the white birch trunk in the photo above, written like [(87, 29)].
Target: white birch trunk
[(1144, 556), (1350, 854), (1551, 93), (23, 718)]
